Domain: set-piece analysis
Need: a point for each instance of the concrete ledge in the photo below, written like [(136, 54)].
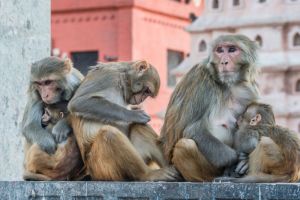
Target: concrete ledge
[(15, 190)]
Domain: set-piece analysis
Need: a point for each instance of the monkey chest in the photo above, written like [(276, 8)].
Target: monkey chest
[(223, 121)]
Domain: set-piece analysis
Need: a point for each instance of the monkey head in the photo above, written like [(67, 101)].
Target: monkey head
[(143, 81), (54, 112), (49, 79), (232, 59), (257, 114)]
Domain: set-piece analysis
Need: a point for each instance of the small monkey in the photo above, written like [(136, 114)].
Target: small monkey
[(55, 121), (274, 150)]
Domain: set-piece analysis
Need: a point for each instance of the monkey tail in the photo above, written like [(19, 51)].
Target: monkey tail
[(262, 178)]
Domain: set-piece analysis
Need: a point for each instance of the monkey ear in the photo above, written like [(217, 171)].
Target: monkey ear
[(255, 120), (68, 65), (141, 65), (61, 115)]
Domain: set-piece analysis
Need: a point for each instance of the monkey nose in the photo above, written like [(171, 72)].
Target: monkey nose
[(224, 63)]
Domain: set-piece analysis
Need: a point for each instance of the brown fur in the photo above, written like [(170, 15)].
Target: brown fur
[(110, 154), (45, 157), (276, 158), (62, 165), (115, 141), (197, 133)]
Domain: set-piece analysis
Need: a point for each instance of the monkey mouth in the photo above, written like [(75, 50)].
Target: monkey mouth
[(138, 98)]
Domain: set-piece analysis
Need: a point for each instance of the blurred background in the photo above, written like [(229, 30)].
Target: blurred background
[(173, 35)]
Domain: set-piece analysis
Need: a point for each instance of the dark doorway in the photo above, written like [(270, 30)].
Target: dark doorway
[(83, 60), (174, 59)]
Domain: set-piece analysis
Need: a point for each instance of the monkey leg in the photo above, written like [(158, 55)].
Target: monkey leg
[(113, 157), (192, 165), (145, 141), (265, 157), (265, 164), (62, 165)]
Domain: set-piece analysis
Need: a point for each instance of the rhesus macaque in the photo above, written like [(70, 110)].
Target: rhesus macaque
[(50, 155), (55, 121), (203, 109), (115, 142), (274, 151)]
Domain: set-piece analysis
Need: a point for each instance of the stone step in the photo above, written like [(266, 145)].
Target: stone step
[(92, 190)]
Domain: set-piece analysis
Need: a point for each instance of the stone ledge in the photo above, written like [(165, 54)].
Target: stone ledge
[(15, 190)]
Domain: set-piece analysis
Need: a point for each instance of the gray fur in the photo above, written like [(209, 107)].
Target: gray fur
[(31, 124), (201, 98), (104, 94)]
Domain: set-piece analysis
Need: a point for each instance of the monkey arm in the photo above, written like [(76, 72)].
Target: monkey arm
[(246, 140), (61, 130), (215, 151), (98, 108), (32, 128)]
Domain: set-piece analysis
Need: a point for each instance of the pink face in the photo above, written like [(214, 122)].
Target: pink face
[(49, 91), (227, 55)]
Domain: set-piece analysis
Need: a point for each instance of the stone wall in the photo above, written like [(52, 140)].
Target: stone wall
[(24, 38), (146, 191)]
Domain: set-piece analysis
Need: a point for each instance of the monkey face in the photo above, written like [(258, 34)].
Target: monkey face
[(145, 82), (49, 91), (233, 59), (46, 117), (226, 56)]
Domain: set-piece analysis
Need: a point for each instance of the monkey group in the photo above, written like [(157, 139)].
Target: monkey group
[(85, 128)]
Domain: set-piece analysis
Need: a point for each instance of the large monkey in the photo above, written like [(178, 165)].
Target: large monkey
[(50, 155), (202, 112), (274, 151), (114, 141)]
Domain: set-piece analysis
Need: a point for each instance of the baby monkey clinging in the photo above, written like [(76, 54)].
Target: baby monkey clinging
[(274, 150)]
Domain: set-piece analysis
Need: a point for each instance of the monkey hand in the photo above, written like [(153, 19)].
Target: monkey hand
[(47, 143), (243, 166), (140, 117), (61, 131), (227, 157)]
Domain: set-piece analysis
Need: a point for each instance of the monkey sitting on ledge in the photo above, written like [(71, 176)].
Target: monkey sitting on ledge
[(274, 151)]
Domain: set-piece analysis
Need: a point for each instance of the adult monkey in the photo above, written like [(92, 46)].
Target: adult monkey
[(201, 115), (52, 81), (114, 141)]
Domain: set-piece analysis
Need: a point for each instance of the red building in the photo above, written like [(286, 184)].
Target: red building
[(91, 31)]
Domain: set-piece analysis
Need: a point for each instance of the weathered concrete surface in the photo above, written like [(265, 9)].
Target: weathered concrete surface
[(146, 190), (24, 38)]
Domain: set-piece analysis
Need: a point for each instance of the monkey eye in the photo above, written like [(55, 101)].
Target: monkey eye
[(231, 49), (219, 50), (47, 82), (37, 83), (148, 91)]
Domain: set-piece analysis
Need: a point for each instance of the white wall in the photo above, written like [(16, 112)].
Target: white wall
[(24, 38)]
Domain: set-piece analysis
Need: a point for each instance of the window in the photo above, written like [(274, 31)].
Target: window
[(202, 46), (83, 60), (296, 39), (262, 1), (187, 1), (174, 59), (259, 41), (236, 2), (215, 4), (298, 86)]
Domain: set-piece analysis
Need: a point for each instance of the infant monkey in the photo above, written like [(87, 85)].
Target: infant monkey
[(274, 150), (55, 121)]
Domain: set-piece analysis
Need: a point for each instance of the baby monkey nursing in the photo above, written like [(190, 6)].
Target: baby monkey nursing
[(274, 151)]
